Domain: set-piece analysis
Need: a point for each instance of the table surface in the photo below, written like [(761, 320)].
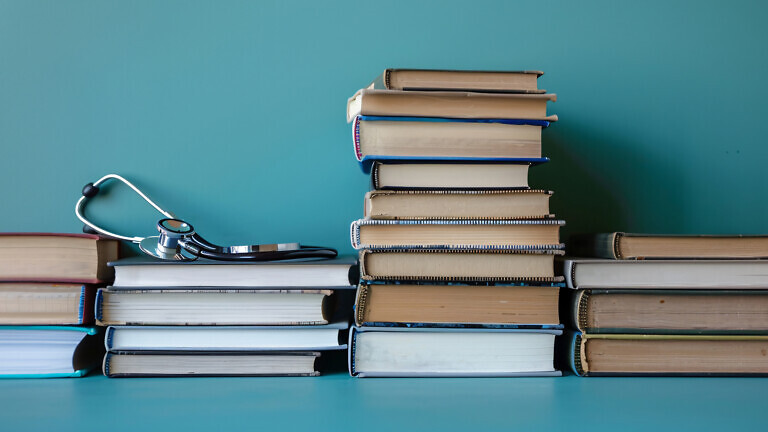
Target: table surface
[(339, 402)]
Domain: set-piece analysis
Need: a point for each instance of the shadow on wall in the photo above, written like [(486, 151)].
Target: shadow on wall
[(605, 183)]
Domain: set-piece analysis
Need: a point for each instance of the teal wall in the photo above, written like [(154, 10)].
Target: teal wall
[(232, 113)]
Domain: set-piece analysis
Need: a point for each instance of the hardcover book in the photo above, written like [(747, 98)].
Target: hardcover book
[(669, 274), (29, 303), (443, 352), (455, 174), (54, 257), (458, 204), (456, 234), (626, 354), (456, 305), (142, 272), (441, 138), (668, 311), (458, 80), (214, 307), (155, 364), (227, 338), (394, 103), (49, 351), (619, 245), (447, 265)]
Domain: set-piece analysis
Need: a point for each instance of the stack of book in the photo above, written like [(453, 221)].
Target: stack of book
[(456, 250), (47, 287), (212, 318), (668, 305)]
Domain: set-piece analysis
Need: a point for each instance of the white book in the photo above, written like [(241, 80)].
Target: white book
[(661, 274)]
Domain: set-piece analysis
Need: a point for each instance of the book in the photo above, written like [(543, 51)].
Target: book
[(227, 338), (660, 274), (458, 204), (145, 272), (444, 352), (54, 257), (668, 311), (29, 303), (446, 265), (456, 234), (49, 351), (394, 103), (441, 138), (619, 245), (213, 307), (149, 364), (617, 354), (457, 305), (433, 175), (458, 80)]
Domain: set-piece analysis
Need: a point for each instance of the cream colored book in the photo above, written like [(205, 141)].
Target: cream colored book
[(372, 102), (488, 305), (464, 175), (457, 234), (457, 204), (459, 80), (446, 138), (445, 265)]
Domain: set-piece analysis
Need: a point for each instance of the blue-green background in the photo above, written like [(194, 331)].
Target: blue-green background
[(231, 114)]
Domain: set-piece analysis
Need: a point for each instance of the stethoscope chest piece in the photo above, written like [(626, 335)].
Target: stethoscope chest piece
[(167, 245), (151, 246)]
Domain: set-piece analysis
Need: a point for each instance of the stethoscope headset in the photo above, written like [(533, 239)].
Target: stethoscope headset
[(177, 239)]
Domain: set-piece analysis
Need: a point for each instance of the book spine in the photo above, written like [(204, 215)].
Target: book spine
[(375, 175), (108, 337), (360, 303), (98, 307), (356, 138), (81, 305), (578, 363), (580, 312)]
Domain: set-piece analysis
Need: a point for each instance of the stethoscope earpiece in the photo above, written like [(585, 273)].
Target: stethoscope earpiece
[(177, 239)]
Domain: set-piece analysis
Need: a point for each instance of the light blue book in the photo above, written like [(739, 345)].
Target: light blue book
[(49, 351), (451, 352)]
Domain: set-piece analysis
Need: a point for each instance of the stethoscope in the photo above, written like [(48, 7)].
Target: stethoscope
[(179, 241)]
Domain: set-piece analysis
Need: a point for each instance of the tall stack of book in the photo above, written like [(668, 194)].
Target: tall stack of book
[(213, 318), (47, 287), (456, 250), (668, 305)]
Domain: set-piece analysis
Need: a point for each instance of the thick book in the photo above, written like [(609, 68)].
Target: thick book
[(668, 311), (458, 80), (458, 204), (439, 175), (666, 274), (444, 352), (619, 245), (33, 303), (446, 265), (49, 351), (55, 257), (441, 138), (457, 305), (187, 364), (214, 307), (456, 234), (699, 355), (142, 272), (394, 103), (227, 338)]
